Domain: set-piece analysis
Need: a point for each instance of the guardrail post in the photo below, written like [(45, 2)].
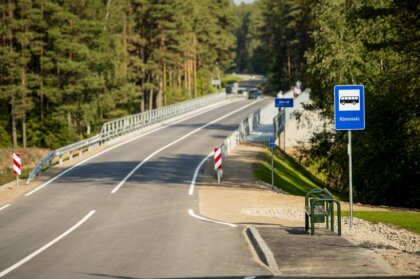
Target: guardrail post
[(80, 152), (60, 159), (70, 155)]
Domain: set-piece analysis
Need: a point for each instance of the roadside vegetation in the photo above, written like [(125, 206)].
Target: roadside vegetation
[(289, 175), (292, 177), (408, 220), (330, 42), (229, 80)]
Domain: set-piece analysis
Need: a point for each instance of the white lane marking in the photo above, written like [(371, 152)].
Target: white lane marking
[(250, 277), (192, 214), (45, 247), (109, 149), (192, 185), (5, 206), (174, 142)]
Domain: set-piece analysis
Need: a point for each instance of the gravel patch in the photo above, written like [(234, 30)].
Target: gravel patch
[(399, 247)]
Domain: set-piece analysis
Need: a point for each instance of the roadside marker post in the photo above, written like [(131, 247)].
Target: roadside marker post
[(271, 144), (349, 114), (218, 163), (17, 167), (284, 103)]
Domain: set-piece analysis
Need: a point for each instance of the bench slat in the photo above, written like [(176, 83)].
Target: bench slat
[(318, 210)]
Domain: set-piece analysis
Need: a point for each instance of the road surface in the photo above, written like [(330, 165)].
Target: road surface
[(127, 214)]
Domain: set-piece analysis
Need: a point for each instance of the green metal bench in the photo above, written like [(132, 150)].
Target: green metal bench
[(319, 208)]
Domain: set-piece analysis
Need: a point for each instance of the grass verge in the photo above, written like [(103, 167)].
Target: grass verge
[(289, 175), (408, 220)]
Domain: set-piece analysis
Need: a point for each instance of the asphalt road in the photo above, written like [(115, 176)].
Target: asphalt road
[(76, 228)]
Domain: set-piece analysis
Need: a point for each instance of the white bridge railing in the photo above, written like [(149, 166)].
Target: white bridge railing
[(122, 126), (246, 127)]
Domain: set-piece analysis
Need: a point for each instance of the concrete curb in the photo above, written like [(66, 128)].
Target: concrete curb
[(264, 253)]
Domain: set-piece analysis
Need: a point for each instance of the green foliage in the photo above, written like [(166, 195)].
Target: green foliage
[(408, 220), (229, 79), (331, 42), (272, 38), (289, 175), (370, 43), (66, 67)]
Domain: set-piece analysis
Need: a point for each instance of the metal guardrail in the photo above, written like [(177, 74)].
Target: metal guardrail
[(122, 126), (130, 123), (279, 122), (80, 146), (246, 127)]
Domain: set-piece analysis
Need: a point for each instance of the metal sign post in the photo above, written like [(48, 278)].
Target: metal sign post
[(284, 103), (350, 182), (271, 144), (349, 112)]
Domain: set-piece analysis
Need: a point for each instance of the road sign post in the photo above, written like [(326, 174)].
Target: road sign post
[(271, 144), (284, 103), (218, 163), (349, 114), (17, 167)]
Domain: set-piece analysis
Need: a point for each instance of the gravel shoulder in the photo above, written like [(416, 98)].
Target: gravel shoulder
[(238, 199)]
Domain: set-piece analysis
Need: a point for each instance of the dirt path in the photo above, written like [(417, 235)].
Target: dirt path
[(238, 199)]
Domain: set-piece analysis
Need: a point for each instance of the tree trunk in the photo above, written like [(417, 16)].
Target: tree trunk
[(108, 4), (151, 99), (289, 66), (164, 87), (24, 130), (159, 97), (142, 104), (14, 131), (41, 100), (194, 64), (68, 120), (178, 72), (171, 85)]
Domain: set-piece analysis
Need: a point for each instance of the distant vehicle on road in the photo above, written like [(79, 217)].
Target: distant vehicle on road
[(349, 100), (228, 89), (255, 94)]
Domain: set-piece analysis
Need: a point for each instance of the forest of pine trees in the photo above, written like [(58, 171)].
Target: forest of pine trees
[(68, 66)]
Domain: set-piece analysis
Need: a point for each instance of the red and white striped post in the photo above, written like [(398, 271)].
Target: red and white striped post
[(17, 167), (218, 163)]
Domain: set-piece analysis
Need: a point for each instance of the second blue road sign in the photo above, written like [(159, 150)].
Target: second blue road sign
[(271, 143), (283, 102)]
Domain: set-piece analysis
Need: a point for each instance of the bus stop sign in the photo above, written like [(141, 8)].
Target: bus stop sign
[(349, 107)]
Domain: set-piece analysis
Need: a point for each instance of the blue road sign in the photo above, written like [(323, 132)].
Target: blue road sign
[(283, 102), (349, 107), (271, 143)]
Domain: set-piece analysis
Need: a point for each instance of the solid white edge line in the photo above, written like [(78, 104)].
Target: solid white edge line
[(174, 142), (250, 277), (4, 206), (192, 214), (109, 149), (192, 185), (43, 248)]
